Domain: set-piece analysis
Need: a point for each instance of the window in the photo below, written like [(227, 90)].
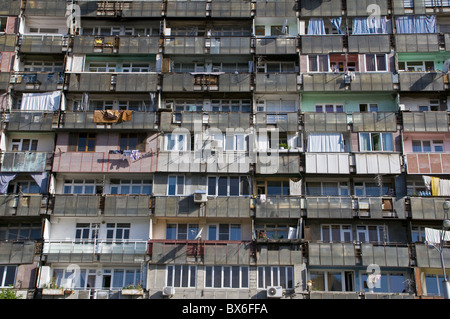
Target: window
[(102, 67), (435, 146), (138, 186), (81, 142), (175, 185), (273, 231), (332, 280), (7, 275), (181, 276), (318, 63), (23, 145), (373, 234), (25, 187), (132, 141), (433, 284), (181, 231), (417, 188), (224, 232), (231, 105), (20, 231), (279, 67), (273, 188), (416, 66), (329, 108), (336, 233), (118, 232), (387, 282), (101, 105), (86, 231), (418, 233), (226, 277), (376, 62), (75, 186), (327, 189), (279, 30), (43, 66), (176, 142), (228, 186), (44, 30), (368, 107), (260, 30), (376, 189), (376, 142), (276, 276), (136, 67), (125, 277)]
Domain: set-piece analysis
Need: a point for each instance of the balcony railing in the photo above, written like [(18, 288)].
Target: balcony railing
[(278, 253), (8, 42), (203, 82), (325, 122), (184, 206), (369, 43), (312, 8), (37, 81), (329, 207), (278, 207), (337, 82), (22, 205), (322, 44), (374, 122), (187, 9), (45, 8), (44, 43), (327, 163), (76, 205), (284, 8), (116, 82), (422, 81), (231, 9), (116, 44), (428, 257), (30, 121), (4, 80), (378, 163), (105, 250), (276, 82), (423, 208), (432, 121), (26, 161), (17, 252), (417, 43), (428, 163), (276, 45), (128, 205), (126, 9), (285, 122), (89, 162), (277, 162)]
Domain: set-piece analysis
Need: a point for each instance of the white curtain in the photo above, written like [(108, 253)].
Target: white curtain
[(325, 142), (433, 236), (316, 26), (295, 187), (41, 101)]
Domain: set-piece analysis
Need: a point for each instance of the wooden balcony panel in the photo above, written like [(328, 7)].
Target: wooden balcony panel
[(331, 254), (329, 207), (14, 205), (327, 163), (421, 81), (417, 43), (90, 162), (325, 122), (427, 208), (76, 205), (319, 8), (432, 121), (322, 44), (276, 45), (385, 256), (428, 163), (276, 82)]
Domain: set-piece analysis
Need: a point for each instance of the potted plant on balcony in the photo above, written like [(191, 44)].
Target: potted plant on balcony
[(52, 289), (133, 290), (283, 146)]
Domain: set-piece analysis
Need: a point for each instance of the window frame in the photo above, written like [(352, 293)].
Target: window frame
[(342, 233), (287, 283), (212, 269), (371, 136), (5, 275), (365, 229), (173, 270), (228, 234), (375, 56), (179, 235), (177, 190)]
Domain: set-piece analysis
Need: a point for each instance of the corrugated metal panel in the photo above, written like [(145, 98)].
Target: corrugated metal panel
[(191, 9), (360, 7), (327, 163), (45, 8), (319, 8), (377, 163), (282, 8), (231, 9), (417, 43), (322, 44), (436, 121)]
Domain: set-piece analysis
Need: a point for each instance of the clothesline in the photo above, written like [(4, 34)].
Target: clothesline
[(133, 154)]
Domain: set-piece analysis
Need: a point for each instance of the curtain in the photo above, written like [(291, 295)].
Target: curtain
[(325, 142), (363, 25), (41, 101), (316, 26), (337, 22), (295, 187), (5, 178), (42, 180), (416, 24), (433, 236)]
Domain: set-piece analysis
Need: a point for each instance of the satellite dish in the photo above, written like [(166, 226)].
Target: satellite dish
[(446, 66)]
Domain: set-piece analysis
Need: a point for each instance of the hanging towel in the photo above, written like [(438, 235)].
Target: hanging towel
[(135, 155), (435, 186)]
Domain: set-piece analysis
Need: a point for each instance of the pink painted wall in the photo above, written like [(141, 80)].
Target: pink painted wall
[(409, 137)]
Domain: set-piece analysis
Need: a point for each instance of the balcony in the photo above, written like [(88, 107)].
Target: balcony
[(428, 257), (204, 161), (8, 42), (37, 81), (26, 161), (27, 205), (102, 250), (116, 44), (314, 8), (204, 82), (85, 120), (329, 207), (325, 122), (428, 163), (103, 162), (374, 122), (423, 208), (275, 162), (10, 8), (20, 252), (231, 9), (380, 207), (186, 9), (339, 82), (112, 82), (417, 43), (331, 254), (278, 207), (30, 121), (278, 254), (76, 205), (276, 82), (283, 8), (128, 205), (322, 44), (378, 163), (422, 81), (369, 43), (126, 9), (4, 80), (327, 163), (359, 7), (201, 45), (184, 206), (52, 44), (432, 121), (276, 45), (385, 255), (212, 252), (45, 8)]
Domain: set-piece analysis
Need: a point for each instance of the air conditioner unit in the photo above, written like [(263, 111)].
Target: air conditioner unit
[(168, 291), (200, 196), (274, 292)]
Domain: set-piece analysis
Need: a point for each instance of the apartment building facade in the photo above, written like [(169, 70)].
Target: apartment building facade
[(223, 149)]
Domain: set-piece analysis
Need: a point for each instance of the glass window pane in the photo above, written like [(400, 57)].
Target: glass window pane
[(335, 281), (364, 141), (171, 231), (172, 185), (234, 186), (318, 280)]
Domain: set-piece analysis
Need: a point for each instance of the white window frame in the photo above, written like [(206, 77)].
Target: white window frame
[(5, 271), (327, 273), (118, 232), (342, 187), (365, 229), (72, 183), (92, 230), (324, 108), (189, 229), (371, 146), (178, 144), (316, 57), (228, 234), (103, 67), (275, 273), (223, 270), (416, 68), (43, 66), (136, 67), (173, 270), (433, 145), (19, 144), (343, 231), (241, 191), (178, 191), (376, 62), (116, 188), (360, 188)]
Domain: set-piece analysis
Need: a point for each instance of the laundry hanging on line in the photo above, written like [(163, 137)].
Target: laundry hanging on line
[(133, 154), (112, 116)]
